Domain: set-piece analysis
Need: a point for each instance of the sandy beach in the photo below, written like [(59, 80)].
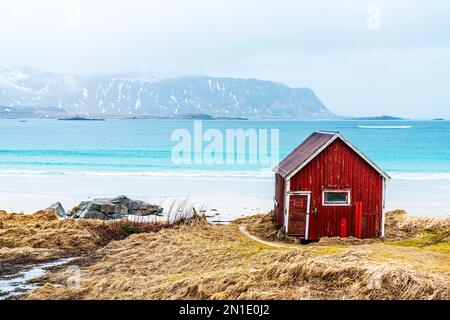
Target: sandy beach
[(232, 197)]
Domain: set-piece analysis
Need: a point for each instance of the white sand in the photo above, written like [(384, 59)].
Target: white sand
[(419, 197), (231, 197)]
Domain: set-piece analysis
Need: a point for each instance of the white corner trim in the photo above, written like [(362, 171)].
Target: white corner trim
[(308, 211), (383, 210)]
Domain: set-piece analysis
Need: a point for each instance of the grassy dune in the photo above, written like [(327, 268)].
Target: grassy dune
[(27, 239), (204, 261)]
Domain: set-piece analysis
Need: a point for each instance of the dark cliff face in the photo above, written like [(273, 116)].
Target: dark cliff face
[(132, 95)]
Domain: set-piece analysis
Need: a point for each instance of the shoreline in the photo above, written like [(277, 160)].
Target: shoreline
[(232, 197), (212, 174)]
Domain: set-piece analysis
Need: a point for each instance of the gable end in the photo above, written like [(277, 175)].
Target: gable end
[(311, 148)]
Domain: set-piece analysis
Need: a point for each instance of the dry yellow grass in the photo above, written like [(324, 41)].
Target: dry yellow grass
[(43, 230), (400, 225), (203, 261), (416, 241), (29, 239), (150, 265), (219, 262), (12, 259)]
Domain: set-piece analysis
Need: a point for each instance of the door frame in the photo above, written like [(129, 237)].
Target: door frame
[(308, 209)]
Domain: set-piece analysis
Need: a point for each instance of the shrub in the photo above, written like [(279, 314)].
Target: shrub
[(108, 231)]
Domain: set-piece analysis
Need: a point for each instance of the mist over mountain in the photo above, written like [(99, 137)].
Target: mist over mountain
[(153, 94)]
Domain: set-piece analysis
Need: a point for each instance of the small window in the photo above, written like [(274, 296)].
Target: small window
[(333, 198)]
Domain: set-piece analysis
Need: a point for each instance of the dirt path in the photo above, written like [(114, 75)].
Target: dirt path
[(243, 229)]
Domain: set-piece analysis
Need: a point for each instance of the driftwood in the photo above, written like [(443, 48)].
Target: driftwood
[(197, 218)]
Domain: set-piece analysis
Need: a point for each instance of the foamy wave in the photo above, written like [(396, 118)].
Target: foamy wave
[(205, 174), (385, 127), (187, 174), (420, 175)]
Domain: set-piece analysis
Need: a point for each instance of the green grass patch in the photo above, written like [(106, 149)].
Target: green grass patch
[(7, 243), (247, 249), (435, 240), (35, 280), (329, 250), (443, 247)]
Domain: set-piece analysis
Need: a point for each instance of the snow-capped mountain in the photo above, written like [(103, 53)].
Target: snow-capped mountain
[(153, 94)]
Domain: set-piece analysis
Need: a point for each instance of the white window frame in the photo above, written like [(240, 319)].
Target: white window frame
[(347, 204)]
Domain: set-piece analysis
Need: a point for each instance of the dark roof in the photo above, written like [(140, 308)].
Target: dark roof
[(303, 152), (310, 148)]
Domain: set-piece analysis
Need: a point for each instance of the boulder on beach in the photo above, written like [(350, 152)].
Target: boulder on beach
[(57, 209), (113, 208)]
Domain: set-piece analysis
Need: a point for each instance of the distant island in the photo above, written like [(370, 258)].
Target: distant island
[(196, 116), (78, 118), (201, 116), (379, 118), (438, 119)]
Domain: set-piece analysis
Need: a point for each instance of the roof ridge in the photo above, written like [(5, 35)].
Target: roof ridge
[(311, 147), (330, 132)]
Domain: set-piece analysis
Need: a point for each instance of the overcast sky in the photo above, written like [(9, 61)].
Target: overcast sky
[(360, 57)]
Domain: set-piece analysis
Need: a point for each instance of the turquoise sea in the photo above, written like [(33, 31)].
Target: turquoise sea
[(405, 149)]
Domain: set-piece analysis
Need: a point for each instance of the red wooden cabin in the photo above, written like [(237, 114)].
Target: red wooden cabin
[(326, 187)]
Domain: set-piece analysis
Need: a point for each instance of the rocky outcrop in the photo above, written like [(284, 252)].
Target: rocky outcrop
[(55, 211), (58, 209), (113, 208)]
